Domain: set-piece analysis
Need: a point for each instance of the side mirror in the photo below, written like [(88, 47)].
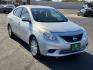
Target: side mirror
[(26, 19)]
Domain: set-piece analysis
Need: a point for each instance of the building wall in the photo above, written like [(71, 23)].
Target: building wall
[(8, 0), (16, 0), (24, 0), (59, 5), (57, 0)]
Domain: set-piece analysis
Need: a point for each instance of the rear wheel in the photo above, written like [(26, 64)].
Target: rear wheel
[(79, 13), (34, 48), (10, 33)]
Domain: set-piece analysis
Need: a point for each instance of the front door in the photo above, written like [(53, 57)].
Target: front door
[(25, 26)]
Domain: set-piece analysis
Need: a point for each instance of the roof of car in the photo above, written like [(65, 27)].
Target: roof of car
[(35, 6)]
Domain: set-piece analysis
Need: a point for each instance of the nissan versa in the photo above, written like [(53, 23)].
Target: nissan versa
[(47, 31)]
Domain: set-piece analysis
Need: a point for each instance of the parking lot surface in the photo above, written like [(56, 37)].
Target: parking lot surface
[(14, 54)]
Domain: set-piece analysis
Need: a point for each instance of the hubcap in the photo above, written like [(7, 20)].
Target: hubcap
[(33, 47), (9, 31)]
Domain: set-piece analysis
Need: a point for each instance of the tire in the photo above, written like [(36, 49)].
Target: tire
[(10, 33), (79, 14), (84, 15), (34, 48)]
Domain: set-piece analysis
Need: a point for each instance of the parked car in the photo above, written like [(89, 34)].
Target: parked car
[(6, 8), (87, 10), (47, 31), (1, 8)]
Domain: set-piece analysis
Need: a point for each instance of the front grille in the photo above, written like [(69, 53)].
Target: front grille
[(73, 38)]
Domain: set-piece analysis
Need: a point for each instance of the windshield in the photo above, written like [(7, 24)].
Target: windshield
[(48, 15)]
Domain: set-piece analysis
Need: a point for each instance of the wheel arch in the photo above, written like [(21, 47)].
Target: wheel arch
[(39, 51), (8, 25), (31, 36)]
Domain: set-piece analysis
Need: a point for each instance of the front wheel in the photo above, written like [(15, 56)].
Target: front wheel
[(85, 15), (34, 48)]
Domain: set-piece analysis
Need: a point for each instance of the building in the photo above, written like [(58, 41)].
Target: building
[(60, 0), (57, 0), (49, 0)]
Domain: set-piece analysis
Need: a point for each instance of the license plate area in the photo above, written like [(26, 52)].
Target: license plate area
[(75, 47)]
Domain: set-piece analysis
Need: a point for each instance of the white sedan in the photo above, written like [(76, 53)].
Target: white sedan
[(47, 31)]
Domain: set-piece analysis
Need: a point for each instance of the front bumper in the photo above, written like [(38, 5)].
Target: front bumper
[(89, 12), (61, 48), (58, 53)]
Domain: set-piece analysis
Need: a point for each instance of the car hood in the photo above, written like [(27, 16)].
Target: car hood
[(59, 26)]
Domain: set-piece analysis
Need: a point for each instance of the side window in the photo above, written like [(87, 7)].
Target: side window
[(17, 12), (25, 13)]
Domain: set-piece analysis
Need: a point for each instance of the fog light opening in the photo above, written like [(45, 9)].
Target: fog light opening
[(51, 51)]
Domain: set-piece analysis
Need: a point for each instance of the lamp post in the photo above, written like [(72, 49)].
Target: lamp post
[(0, 1), (28, 1)]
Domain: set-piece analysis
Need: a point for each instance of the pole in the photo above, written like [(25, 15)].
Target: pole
[(28, 1)]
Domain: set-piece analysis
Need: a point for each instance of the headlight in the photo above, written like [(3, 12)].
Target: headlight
[(49, 36), (85, 34), (46, 34)]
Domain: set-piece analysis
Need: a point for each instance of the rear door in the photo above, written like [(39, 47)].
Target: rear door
[(16, 18)]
